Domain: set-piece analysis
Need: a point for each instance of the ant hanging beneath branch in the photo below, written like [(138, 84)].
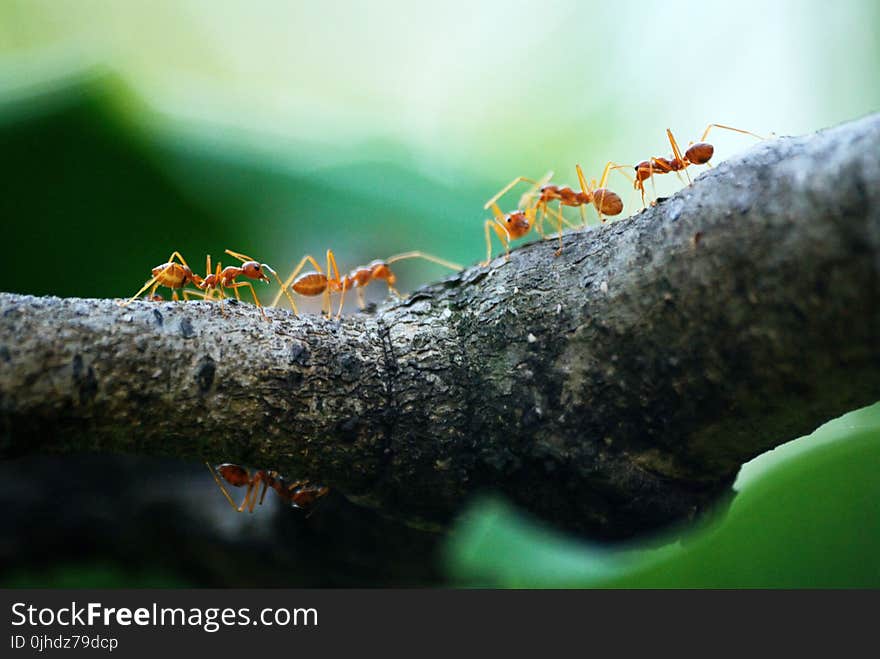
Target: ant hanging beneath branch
[(319, 282), (698, 153), (298, 494)]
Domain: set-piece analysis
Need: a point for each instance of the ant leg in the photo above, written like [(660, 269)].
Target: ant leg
[(263, 493), (736, 130), (503, 191), (287, 282), (134, 297), (583, 181), (332, 271), (636, 183), (677, 153), (503, 236), (539, 224), (179, 258), (608, 167), (341, 299), (362, 302), (653, 182), (238, 285), (244, 258), (286, 292), (496, 223), (259, 480), (560, 220), (623, 169), (525, 200), (559, 217), (224, 490), (586, 189), (198, 294), (245, 504), (427, 257)]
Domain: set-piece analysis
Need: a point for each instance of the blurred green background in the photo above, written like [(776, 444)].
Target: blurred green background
[(128, 130)]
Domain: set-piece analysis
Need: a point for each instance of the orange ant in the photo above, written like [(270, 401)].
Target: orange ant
[(518, 223), (507, 227), (299, 494), (698, 153), (172, 274), (319, 282), (225, 278)]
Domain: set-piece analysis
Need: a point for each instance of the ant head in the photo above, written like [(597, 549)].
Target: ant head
[(518, 223), (254, 270), (381, 270), (306, 494)]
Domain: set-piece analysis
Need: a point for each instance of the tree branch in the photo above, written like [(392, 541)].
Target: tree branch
[(613, 389)]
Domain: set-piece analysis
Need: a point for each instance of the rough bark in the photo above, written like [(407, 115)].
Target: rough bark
[(611, 390)]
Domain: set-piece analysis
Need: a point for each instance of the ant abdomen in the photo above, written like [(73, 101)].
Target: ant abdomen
[(699, 153), (311, 283), (607, 202)]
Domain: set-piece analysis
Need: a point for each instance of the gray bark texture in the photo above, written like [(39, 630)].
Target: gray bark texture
[(611, 390)]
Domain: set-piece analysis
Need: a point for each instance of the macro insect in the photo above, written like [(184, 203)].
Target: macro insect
[(215, 282), (297, 494), (518, 223), (174, 274), (507, 227), (697, 153), (325, 282)]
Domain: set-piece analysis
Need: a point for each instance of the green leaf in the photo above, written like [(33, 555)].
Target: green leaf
[(806, 515)]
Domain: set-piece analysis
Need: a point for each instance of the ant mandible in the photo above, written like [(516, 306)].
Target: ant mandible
[(172, 274), (698, 153), (298, 494), (320, 282)]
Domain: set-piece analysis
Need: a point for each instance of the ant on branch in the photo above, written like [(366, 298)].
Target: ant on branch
[(698, 153), (217, 281), (298, 494), (518, 223), (172, 274), (319, 282), (252, 270)]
